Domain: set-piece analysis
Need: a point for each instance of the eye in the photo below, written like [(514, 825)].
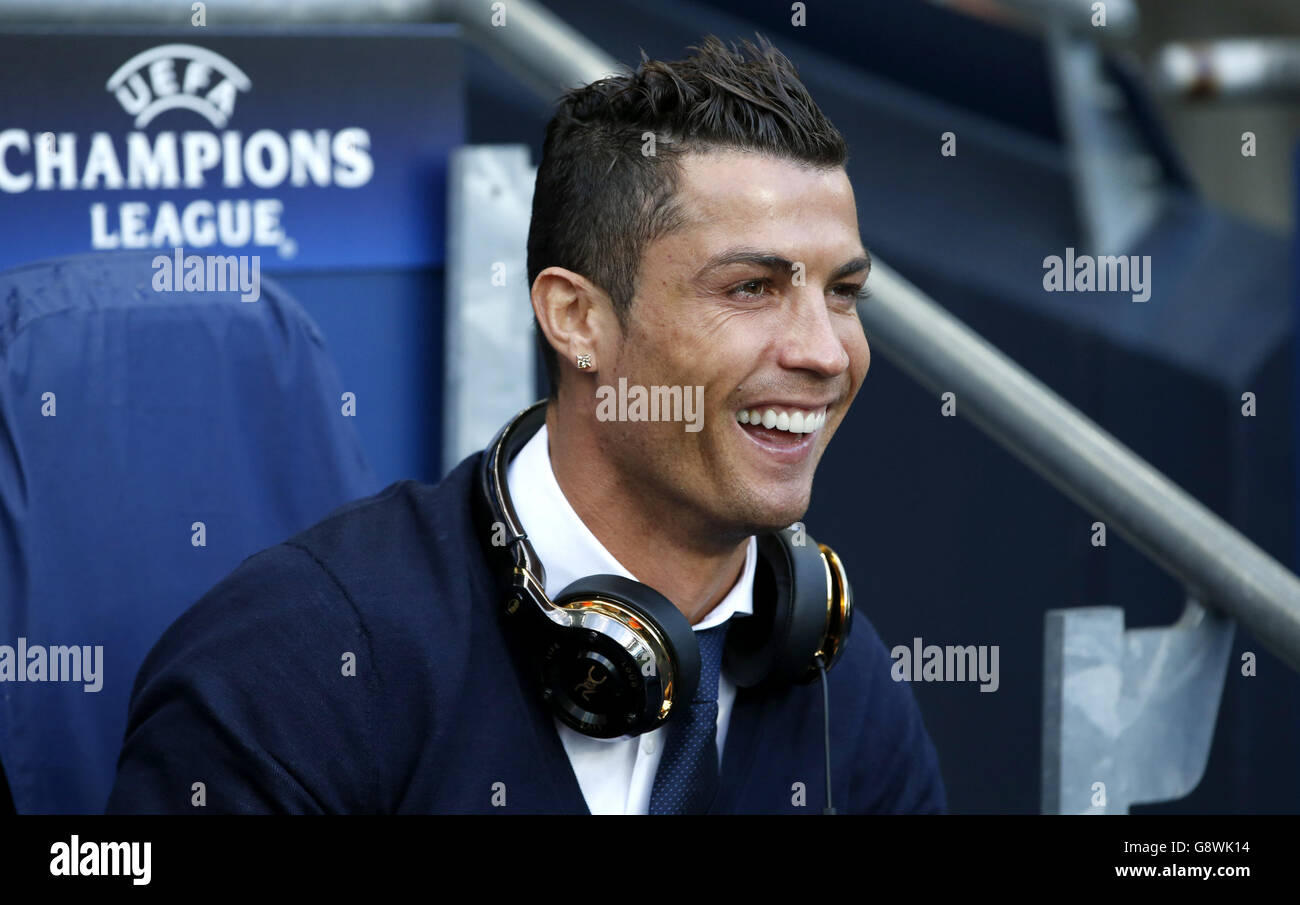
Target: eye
[(741, 290), (851, 293)]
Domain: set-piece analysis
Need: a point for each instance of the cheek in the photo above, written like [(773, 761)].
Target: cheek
[(672, 350), (859, 352)]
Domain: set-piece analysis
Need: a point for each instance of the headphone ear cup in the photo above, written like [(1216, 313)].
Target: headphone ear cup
[(776, 645), (656, 611)]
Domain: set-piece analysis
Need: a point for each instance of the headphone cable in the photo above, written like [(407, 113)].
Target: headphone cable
[(826, 732)]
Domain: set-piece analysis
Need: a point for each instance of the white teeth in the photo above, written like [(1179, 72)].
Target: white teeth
[(795, 422)]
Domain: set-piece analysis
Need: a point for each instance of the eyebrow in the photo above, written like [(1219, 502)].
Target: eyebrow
[(776, 262)]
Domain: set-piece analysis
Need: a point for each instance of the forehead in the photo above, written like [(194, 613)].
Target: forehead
[(765, 196), (731, 196)]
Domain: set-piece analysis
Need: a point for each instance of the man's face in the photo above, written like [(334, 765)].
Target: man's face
[(759, 336)]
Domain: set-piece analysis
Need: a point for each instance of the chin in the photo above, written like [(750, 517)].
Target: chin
[(773, 515), (748, 504)]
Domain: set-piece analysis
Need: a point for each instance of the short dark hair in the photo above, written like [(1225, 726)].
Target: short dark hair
[(599, 200)]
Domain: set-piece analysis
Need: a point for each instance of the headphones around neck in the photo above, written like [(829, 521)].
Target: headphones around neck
[(615, 658)]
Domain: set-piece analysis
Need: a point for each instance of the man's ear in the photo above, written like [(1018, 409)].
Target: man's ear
[(575, 316)]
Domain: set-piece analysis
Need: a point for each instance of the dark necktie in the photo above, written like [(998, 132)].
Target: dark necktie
[(687, 778)]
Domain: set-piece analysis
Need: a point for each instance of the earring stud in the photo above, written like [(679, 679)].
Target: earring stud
[(584, 362)]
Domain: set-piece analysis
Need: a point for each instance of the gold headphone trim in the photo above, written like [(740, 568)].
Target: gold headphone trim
[(839, 607), (651, 637), (531, 581)]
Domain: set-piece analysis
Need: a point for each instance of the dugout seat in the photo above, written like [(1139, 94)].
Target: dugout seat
[(149, 442)]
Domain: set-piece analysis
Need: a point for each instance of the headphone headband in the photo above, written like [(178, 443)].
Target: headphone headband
[(492, 489)]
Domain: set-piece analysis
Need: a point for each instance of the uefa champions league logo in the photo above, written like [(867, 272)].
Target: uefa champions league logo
[(229, 186), (178, 76)]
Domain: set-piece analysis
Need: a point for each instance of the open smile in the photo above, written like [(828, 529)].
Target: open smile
[(785, 433)]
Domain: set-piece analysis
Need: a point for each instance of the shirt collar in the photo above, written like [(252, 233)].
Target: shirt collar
[(569, 550)]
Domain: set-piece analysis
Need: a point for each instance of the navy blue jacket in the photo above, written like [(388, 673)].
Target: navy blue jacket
[(247, 694)]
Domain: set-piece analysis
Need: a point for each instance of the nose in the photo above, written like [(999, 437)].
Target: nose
[(811, 343)]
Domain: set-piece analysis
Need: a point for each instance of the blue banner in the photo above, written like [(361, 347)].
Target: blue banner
[(316, 149)]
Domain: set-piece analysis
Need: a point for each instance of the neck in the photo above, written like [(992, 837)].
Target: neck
[(689, 567)]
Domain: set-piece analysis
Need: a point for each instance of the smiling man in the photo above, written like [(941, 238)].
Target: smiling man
[(719, 306), (596, 614)]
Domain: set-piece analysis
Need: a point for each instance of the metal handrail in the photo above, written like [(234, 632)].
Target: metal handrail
[(1216, 563), (546, 52)]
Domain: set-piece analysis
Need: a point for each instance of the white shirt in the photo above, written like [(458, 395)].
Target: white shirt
[(615, 776)]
